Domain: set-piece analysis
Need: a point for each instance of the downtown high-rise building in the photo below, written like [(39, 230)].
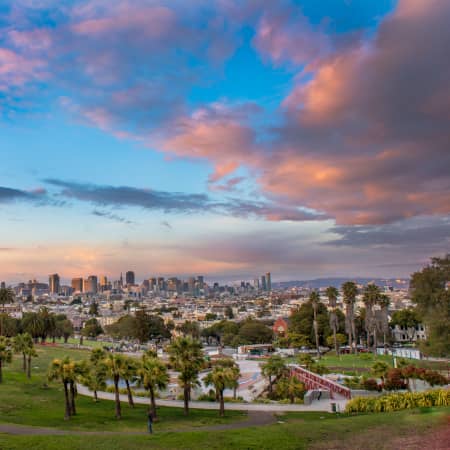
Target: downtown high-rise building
[(90, 285), (263, 283), (268, 281), (129, 278), (53, 283), (77, 284)]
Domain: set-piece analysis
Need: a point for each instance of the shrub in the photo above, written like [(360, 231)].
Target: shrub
[(371, 385), (394, 380), (399, 401)]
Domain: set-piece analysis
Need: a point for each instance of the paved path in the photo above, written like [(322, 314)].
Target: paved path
[(254, 419), (321, 405)]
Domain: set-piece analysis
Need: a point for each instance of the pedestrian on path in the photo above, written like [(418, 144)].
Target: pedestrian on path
[(150, 422)]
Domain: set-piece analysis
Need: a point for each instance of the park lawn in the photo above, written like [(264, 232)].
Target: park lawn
[(294, 431), (36, 402)]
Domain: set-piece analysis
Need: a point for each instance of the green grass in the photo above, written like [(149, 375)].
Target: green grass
[(33, 402), (29, 402), (298, 431)]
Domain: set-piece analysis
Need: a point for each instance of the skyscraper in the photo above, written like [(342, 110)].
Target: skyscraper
[(129, 278), (53, 283), (268, 281), (77, 284), (263, 283), (90, 285)]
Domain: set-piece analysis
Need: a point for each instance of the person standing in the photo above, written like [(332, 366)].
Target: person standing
[(150, 422)]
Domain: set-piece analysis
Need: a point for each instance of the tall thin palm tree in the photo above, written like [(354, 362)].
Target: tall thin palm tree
[(95, 378), (371, 297), (186, 357), (20, 345), (384, 302), (128, 373), (115, 364), (6, 352), (63, 370), (332, 294), (222, 376), (314, 298), (350, 290), (153, 376)]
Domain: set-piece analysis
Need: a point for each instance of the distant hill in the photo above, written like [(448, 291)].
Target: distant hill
[(337, 282)]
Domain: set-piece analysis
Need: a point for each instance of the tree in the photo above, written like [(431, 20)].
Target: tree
[(384, 302), (6, 353), (224, 374), (273, 369), (350, 291), (93, 309), (92, 328), (229, 312), (290, 387), (66, 329), (314, 298), (189, 328), (431, 294), (187, 358), (128, 373), (63, 370), (6, 296), (8, 325), (23, 343), (332, 294), (371, 297), (153, 375), (48, 323), (115, 364), (253, 332), (407, 319), (33, 324), (95, 378), (380, 369)]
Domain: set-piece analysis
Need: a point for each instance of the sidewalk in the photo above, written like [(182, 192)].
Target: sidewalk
[(317, 406)]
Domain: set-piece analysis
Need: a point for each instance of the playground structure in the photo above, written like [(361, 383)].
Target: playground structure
[(313, 381)]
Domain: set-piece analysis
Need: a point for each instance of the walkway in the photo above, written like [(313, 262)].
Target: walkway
[(254, 419), (321, 406)]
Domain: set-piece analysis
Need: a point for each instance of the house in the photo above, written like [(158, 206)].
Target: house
[(281, 325)]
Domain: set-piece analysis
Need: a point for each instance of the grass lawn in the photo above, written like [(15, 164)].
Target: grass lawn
[(32, 402), (296, 431)]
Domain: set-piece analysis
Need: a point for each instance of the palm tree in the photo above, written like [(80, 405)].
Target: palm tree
[(153, 375), (115, 364), (224, 375), (350, 291), (384, 302), (380, 369), (186, 357), (128, 373), (6, 353), (332, 294), (314, 298), (20, 344), (30, 352), (95, 378), (371, 298), (63, 370), (6, 296), (290, 387), (32, 323), (272, 369)]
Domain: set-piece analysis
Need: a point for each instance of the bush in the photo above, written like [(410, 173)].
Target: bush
[(371, 385), (395, 380), (399, 401)]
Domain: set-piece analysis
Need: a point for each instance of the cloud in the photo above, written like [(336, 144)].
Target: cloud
[(111, 216), (431, 233), (8, 195), (176, 202)]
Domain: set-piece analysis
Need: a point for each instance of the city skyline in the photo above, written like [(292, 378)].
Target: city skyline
[(224, 138)]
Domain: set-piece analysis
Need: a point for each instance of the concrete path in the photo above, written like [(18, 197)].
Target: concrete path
[(254, 419), (321, 405)]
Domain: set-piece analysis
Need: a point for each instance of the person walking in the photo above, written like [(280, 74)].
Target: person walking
[(150, 422)]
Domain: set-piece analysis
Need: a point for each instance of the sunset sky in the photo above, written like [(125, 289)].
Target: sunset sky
[(223, 137)]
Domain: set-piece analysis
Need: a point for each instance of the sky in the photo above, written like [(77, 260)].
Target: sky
[(223, 137)]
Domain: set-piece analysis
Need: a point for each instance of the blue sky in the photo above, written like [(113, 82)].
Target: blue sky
[(222, 138)]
